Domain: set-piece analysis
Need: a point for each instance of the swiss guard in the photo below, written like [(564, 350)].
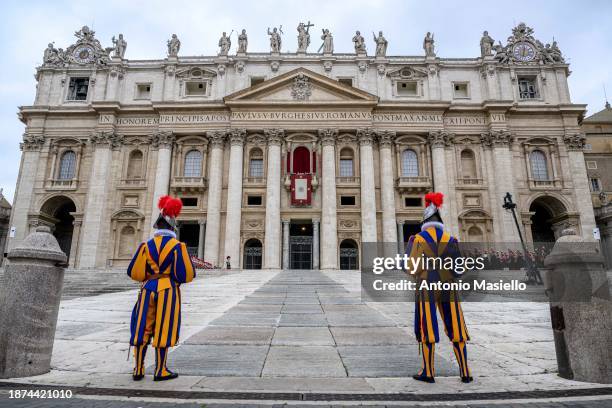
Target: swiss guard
[(162, 264), (434, 242)]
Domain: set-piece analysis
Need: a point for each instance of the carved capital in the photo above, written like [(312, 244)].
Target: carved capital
[(365, 136), (575, 141), (163, 140), (328, 136), (216, 138), (237, 136), (439, 138), (32, 142), (385, 138), (274, 136), (497, 138), (106, 138)]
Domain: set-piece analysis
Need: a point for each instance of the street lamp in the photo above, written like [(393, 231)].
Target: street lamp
[(533, 275)]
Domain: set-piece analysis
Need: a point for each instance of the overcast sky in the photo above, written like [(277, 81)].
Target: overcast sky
[(582, 29)]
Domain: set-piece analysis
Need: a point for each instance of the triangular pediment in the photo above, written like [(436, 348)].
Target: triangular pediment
[(301, 86)]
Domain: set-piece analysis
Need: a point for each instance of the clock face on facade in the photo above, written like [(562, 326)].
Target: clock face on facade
[(523, 51), (83, 54)]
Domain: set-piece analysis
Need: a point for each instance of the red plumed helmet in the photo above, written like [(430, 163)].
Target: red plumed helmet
[(170, 206), (434, 198)]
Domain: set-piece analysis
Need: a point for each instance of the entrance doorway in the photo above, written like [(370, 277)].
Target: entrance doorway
[(300, 245), (59, 210), (541, 226), (349, 255), (190, 235), (252, 254), (411, 228)]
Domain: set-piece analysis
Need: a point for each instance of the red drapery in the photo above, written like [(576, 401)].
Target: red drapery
[(301, 160)]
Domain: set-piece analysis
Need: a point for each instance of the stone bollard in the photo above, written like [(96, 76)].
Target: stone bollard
[(33, 280), (581, 310)]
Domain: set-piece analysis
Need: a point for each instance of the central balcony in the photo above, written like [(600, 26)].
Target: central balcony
[(61, 184), (347, 181), (415, 184), (189, 184)]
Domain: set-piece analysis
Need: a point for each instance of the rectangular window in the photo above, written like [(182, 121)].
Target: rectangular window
[(346, 167), (190, 201), (195, 88), (254, 200), (460, 90), (413, 202), (257, 80), (256, 168), (408, 88), (527, 88), (347, 200), (595, 184), (143, 91), (77, 89), (346, 81), (591, 165)]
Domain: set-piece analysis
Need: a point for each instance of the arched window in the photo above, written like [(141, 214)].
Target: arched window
[(256, 166), (468, 164), (301, 160), (346, 163), (410, 163), (349, 255), (134, 170), (193, 164), (127, 241), (539, 170), (67, 165)]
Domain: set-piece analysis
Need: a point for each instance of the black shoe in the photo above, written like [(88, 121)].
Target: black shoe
[(424, 378), (137, 377), (170, 376), (467, 379)]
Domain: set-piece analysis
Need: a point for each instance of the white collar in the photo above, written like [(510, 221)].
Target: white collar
[(164, 232), (430, 224)]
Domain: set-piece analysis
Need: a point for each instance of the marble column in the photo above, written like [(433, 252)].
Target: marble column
[(368, 187), (329, 226), (272, 241), (30, 159), (584, 205), (90, 255), (216, 140), (315, 243), (286, 224), (400, 237), (438, 141), (162, 141), (234, 197), (387, 191), (201, 238)]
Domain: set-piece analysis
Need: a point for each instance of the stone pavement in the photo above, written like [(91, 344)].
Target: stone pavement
[(297, 332)]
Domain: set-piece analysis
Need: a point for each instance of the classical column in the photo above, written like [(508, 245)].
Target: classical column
[(286, 244), (387, 193), (329, 227), (76, 239), (368, 188), (213, 207), (234, 197), (162, 141), (97, 196), (30, 158), (400, 236), (438, 141), (584, 206), (202, 235), (500, 142), (273, 203), (315, 243)]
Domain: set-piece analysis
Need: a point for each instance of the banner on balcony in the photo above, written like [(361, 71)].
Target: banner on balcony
[(301, 189)]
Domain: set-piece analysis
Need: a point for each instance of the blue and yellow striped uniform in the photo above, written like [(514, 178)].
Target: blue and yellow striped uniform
[(162, 264), (433, 241)]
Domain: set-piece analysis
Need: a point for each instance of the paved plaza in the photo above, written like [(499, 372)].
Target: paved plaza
[(294, 332)]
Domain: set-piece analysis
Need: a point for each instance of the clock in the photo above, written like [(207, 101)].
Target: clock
[(523, 51), (83, 54)]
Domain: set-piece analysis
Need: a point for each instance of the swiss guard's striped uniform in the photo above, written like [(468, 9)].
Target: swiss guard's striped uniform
[(434, 242), (162, 264)]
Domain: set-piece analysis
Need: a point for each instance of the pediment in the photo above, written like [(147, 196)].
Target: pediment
[(301, 86)]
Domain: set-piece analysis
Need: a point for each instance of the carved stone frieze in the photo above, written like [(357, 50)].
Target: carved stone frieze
[(575, 141), (106, 138), (497, 138), (365, 136), (32, 142), (216, 138), (237, 136), (163, 139), (274, 136), (301, 88), (385, 138), (328, 136), (439, 138)]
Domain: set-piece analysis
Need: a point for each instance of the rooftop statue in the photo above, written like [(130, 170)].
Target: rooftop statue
[(243, 42), (275, 39), (174, 46), (119, 46), (486, 45), (381, 44), (359, 42), (303, 36), (428, 45), (225, 43), (328, 42)]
